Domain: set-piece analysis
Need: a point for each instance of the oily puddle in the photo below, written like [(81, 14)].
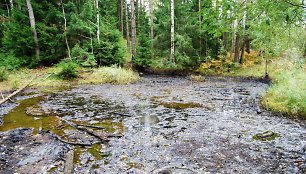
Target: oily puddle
[(41, 120)]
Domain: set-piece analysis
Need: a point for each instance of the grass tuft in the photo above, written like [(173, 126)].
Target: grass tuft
[(113, 75)]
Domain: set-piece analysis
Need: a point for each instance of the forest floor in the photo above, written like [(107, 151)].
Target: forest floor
[(166, 124)]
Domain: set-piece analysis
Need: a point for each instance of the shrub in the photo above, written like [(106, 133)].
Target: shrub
[(10, 62), (68, 70), (3, 74)]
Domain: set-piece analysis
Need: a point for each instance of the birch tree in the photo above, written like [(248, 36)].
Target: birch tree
[(98, 20), (151, 6), (127, 26), (172, 56), (133, 20), (65, 29), (33, 27)]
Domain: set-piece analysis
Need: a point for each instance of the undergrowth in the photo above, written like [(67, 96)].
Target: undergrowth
[(114, 75)]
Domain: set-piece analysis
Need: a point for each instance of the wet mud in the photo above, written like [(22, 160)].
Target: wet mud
[(162, 125)]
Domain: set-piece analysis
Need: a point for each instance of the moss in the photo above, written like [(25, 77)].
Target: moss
[(266, 136), (177, 105)]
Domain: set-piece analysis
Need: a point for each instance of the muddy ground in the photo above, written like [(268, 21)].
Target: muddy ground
[(162, 125)]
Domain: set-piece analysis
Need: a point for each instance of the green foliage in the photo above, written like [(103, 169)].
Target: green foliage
[(10, 62), (3, 74), (110, 50), (68, 70), (144, 52)]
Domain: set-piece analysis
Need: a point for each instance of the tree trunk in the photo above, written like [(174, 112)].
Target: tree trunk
[(200, 26), (12, 4), (172, 56), (33, 27), (98, 20), (65, 29), (120, 11), (247, 44), (8, 9), (133, 29), (242, 51), (237, 48), (151, 6), (127, 27)]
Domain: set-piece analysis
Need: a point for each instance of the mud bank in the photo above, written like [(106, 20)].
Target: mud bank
[(167, 125)]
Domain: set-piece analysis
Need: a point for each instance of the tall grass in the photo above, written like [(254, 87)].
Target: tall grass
[(287, 93), (115, 75)]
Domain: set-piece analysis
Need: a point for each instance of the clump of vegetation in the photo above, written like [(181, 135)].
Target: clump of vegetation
[(197, 78), (3, 74), (287, 93), (114, 75), (68, 70)]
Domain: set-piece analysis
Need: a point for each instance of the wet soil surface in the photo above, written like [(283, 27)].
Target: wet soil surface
[(166, 125)]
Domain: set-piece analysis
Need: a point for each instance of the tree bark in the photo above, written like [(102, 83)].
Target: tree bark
[(98, 20), (237, 48), (133, 29), (200, 26), (127, 27), (33, 27), (65, 29), (172, 56), (242, 51), (151, 6), (120, 11)]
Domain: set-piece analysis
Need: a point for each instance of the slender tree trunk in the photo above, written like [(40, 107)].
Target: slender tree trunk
[(247, 44), (151, 6), (120, 11), (8, 9), (244, 34), (98, 20), (65, 29), (172, 56), (127, 27), (133, 29), (12, 4), (237, 48), (33, 27), (200, 26), (242, 51)]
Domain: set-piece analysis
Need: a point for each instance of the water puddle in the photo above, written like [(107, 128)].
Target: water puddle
[(18, 118)]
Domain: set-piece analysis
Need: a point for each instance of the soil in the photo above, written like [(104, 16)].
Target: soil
[(162, 125)]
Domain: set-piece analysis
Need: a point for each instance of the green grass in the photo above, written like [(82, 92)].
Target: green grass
[(113, 75), (287, 93), (47, 78)]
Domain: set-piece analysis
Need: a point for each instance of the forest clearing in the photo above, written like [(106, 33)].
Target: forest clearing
[(152, 86)]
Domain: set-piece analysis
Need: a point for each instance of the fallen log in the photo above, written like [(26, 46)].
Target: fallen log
[(16, 92), (103, 139), (91, 126), (121, 114), (73, 143)]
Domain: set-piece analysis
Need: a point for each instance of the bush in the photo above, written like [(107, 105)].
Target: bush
[(3, 74), (10, 62), (68, 70)]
